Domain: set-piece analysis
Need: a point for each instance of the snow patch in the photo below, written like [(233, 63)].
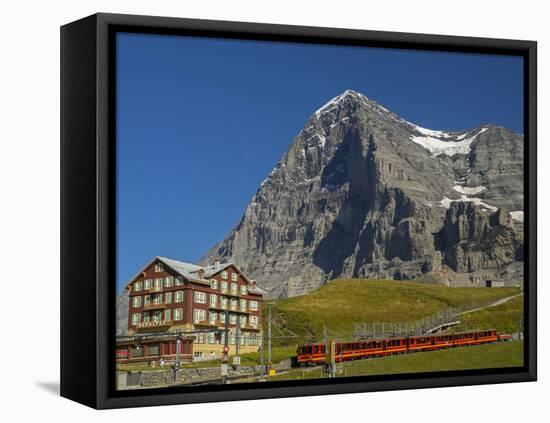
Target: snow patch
[(333, 103), (332, 125), (322, 141), (517, 215), (435, 143), (430, 132), (469, 190), (446, 202)]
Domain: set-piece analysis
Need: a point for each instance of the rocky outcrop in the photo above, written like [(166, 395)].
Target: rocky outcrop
[(363, 193), (122, 313), (472, 240)]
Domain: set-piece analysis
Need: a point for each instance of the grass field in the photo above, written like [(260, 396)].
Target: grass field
[(505, 317), (504, 354), (341, 303)]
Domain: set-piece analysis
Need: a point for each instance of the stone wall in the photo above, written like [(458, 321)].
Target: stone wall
[(155, 378)]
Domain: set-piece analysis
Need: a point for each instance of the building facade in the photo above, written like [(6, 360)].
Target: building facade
[(168, 297)]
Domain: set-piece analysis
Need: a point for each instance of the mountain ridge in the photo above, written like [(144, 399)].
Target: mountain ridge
[(355, 195)]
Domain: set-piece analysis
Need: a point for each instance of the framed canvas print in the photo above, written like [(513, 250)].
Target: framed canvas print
[(256, 211)]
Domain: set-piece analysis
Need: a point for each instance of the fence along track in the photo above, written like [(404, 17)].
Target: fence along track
[(437, 321)]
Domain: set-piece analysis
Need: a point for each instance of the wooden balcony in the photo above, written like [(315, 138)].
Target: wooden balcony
[(206, 323), (154, 289), (154, 306), (248, 326)]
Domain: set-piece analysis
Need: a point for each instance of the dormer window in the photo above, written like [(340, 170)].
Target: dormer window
[(159, 267)]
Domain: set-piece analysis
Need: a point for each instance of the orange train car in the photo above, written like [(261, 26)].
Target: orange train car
[(312, 354)]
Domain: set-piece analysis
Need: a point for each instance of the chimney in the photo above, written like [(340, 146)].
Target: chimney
[(217, 263), (253, 283)]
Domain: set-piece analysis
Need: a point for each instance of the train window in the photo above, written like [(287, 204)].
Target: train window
[(153, 349), (136, 352)]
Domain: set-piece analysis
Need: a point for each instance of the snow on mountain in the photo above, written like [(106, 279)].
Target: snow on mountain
[(517, 215), (446, 202), (437, 142), (468, 190)]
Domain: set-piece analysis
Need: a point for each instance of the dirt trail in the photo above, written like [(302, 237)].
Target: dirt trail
[(496, 303)]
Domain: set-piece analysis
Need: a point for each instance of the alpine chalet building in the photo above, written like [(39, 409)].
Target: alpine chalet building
[(169, 296)]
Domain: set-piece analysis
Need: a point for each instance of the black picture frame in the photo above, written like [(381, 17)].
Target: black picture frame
[(88, 216)]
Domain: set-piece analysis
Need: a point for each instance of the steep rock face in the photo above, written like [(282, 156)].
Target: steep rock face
[(472, 240), (362, 192), (122, 313)]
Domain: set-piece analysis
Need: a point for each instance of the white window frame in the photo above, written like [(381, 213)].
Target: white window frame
[(179, 281), (136, 302), (168, 298), (199, 297), (136, 318), (148, 284), (223, 287), (213, 317), (147, 299), (178, 297), (222, 317), (138, 286), (232, 318), (244, 289), (223, 302), (167, 314), (199, 315), (159, 282), (253, 305), (234, 288), (242, 304), (213, 300), (168, 281), (253, 320), (233, 304), (178, 314), (159, 267), (213, 284), (224, 274), (234, 277)]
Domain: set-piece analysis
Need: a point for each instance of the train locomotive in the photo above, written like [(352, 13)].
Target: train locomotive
[(312, 354)]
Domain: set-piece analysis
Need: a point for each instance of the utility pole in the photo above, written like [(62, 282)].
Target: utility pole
[(224, 370), (177, 363), (269, 338), (236, 358), (262, 364)]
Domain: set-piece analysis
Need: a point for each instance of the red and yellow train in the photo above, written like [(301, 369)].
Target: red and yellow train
[(345, 351)]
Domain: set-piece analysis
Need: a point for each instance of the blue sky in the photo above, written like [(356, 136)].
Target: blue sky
[(201, 122)]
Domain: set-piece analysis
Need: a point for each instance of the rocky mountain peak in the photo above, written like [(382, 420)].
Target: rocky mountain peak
[(361, 192)]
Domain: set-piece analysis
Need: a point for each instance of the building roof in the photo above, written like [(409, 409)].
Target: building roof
[(191, 271)]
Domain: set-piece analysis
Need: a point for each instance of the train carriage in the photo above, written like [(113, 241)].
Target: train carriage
[(312, 354)]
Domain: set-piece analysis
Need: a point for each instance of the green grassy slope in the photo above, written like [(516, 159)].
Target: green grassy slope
[(341, 303), (504, 354), (505, 317)]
